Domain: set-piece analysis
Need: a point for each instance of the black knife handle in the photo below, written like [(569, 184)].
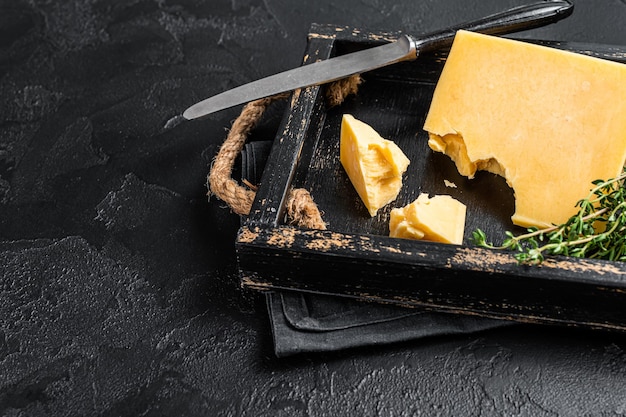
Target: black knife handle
[(513, 20)]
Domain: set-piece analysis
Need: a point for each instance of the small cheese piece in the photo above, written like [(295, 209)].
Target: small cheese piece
[(437, 219), (374, 165), (547, 120)]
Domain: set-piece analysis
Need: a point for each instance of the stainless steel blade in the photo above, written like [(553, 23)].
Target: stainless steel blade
[(404, 49), (307, 75)]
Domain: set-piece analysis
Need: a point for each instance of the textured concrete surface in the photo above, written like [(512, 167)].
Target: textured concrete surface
[(119, 294)]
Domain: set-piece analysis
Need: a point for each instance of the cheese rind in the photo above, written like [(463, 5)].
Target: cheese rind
[(374, 165), (437, 219), (547, 120)]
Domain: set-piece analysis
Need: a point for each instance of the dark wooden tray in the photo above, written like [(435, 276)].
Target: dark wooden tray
[(356, 258)]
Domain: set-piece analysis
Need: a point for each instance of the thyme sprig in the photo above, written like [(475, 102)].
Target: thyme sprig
[(597, 230)]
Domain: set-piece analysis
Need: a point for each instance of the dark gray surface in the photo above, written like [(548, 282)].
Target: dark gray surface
[(119, 293)]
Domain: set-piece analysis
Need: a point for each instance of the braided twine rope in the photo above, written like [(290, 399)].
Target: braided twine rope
[(301, 209)]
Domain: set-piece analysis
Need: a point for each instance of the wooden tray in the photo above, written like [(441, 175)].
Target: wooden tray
[(356, 258)]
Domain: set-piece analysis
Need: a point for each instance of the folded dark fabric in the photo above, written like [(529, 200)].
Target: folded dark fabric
[(317, 323), (303, 322)]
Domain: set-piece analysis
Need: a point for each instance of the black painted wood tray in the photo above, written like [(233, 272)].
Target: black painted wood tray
[(355, 257)]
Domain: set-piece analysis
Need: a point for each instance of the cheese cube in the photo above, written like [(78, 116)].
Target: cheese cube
[(549, 121), (374, 165), (438, 219)]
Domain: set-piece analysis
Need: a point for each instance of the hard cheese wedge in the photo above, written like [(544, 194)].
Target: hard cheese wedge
[(549, 121), (374, 165), (438, 219)]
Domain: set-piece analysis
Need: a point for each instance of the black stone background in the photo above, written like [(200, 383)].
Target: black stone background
[(118, 287)]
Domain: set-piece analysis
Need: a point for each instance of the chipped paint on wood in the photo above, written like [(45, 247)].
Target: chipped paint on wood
[(322, 36), (480, 259), (246, 235), (250, 282), (585, 266), (326, 244), (295, 96), (283, 237)]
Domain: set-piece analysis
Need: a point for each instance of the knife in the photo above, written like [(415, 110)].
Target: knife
[(405, 48)]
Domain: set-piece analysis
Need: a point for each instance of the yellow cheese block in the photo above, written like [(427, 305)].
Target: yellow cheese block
[(438, 219), (374, 165), (547, 120)]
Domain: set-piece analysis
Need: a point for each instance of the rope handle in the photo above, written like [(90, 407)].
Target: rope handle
[(301, 209)]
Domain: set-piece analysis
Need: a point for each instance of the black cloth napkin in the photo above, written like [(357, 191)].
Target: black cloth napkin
[(303, 322)]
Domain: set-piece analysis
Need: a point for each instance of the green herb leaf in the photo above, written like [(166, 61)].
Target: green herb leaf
[(597, 230)]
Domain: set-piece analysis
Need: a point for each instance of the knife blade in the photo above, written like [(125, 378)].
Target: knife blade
[(405, 48)]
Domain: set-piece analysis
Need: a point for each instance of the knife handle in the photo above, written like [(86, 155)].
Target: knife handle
[(513, 20)]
